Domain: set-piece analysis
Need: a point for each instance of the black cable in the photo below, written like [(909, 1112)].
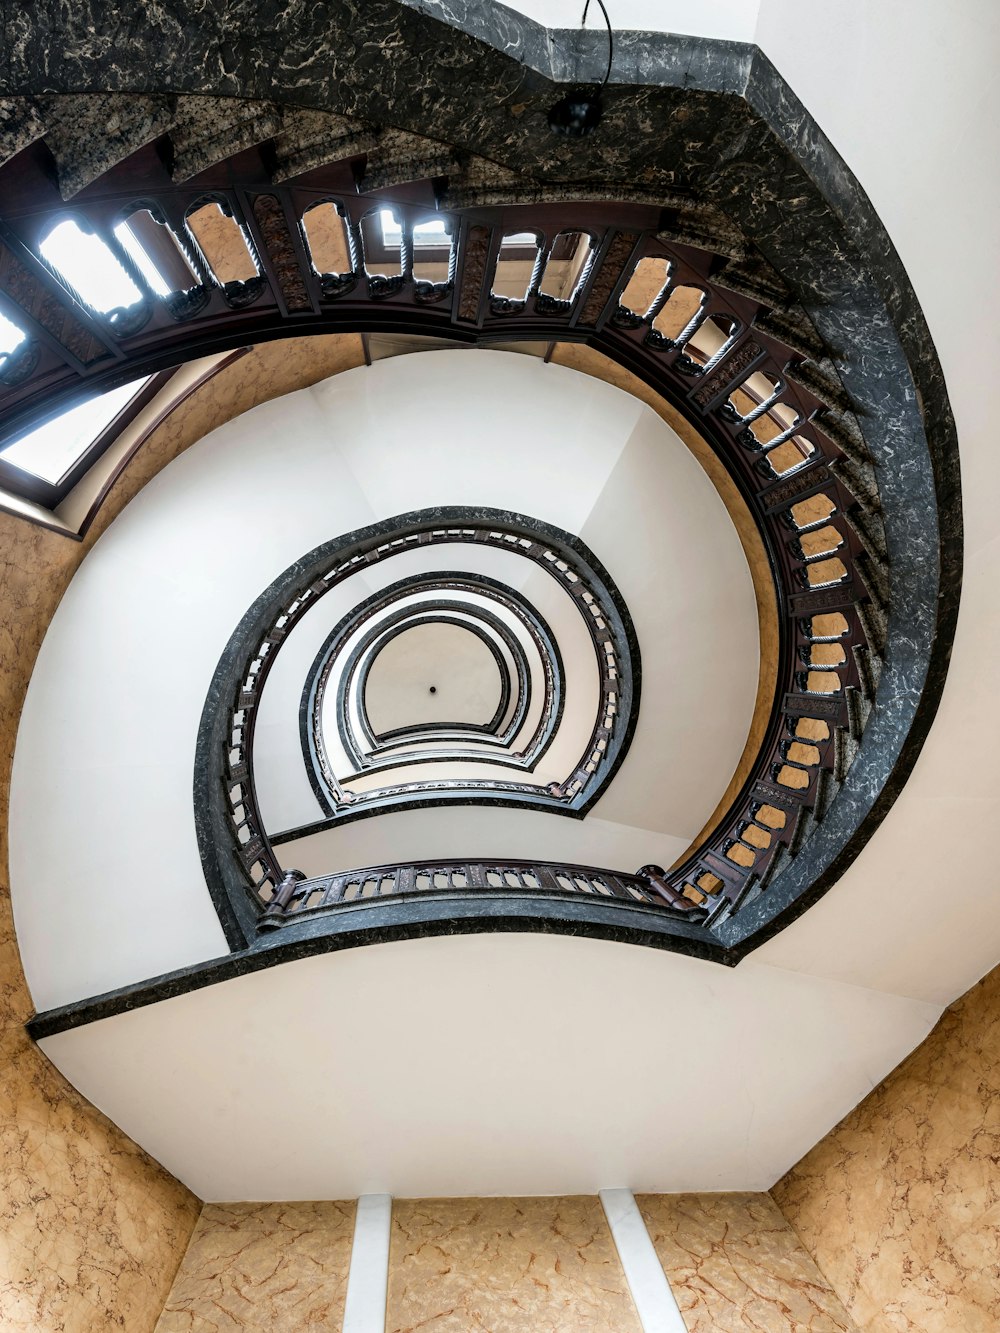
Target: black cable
[(611, 37)]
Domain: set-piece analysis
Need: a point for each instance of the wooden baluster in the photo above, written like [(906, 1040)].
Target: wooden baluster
[(285, 891), (654, 877)]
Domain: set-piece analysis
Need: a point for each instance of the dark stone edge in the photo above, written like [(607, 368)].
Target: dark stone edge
[(891, 746), (403, 917)]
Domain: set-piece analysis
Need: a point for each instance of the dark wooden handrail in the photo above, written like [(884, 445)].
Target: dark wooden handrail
[(297, 896)]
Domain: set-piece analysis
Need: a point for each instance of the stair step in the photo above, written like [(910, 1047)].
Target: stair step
[(754, 277), (706, 227), (859, 478), (793, 327), (875, 624), (870, 530), (820, 378), (21, 123), (480, 183), (844, 431), (311, 139), (859, 710), (399, 157), (89, 134), (207, 130)]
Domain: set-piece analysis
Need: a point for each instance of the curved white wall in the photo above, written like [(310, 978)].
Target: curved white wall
[(107, 882)]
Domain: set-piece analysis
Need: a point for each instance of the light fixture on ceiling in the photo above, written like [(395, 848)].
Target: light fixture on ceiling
[(579, 112)]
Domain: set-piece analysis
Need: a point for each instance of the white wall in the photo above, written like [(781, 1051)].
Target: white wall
[(107, 882), (490, 1064)]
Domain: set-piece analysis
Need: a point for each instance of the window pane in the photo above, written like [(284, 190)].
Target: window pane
[(50, 451), (154, 250), (11, 337), (88, 265), (431, 232)]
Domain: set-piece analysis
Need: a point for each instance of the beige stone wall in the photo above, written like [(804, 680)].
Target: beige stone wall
[(91, 1229), (542, 1265), (734, 1264), (264, 1268), (505, 1266), (900, 1203)]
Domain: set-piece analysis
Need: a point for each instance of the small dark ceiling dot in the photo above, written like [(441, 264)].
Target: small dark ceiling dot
[(434, 689)]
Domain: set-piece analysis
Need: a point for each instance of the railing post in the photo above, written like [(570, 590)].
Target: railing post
[(653, 876), (286, 888)]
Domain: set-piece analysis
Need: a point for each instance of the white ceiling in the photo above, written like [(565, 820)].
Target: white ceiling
[(450, 660), (508, 1064)]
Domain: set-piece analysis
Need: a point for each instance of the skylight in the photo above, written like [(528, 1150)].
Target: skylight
[(435, 233), (424, 233), (50, 451), (130, 244), (11, 337), (88, 265)]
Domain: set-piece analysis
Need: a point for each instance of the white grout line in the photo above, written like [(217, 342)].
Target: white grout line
[(658, 1312), (368, 1280)]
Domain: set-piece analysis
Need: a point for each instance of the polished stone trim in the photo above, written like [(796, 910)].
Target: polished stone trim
[(654, 1301), (403, 917)]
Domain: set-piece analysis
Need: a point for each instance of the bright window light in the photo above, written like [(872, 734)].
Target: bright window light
[(520, 238), (88, 265), (434, 232), (424, 233), (130, 244), (11, 336), (50, 451)]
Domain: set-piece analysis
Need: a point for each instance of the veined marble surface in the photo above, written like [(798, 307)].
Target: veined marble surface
[(900, 1203), (734, 1265), (544, 1265), (91, 1229), (263, 1268)]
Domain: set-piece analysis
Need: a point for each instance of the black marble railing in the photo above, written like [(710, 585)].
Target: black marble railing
[(239, 853), (715, 332), (298, 897)]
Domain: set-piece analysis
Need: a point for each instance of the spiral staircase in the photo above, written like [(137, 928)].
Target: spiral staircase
[(598, 584)]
